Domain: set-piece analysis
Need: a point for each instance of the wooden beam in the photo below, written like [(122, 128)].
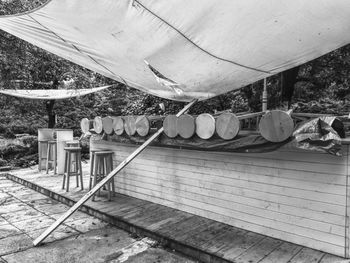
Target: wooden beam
[(110, 176), (250, 115)]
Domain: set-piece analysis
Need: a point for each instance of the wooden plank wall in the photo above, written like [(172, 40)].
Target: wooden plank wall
[(293, 195)]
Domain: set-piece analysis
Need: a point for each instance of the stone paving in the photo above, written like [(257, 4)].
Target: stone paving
[(25, 214)]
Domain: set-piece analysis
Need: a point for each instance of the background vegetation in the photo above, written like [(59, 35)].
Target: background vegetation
[(321, 86)]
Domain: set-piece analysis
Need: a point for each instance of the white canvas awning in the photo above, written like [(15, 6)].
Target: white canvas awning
[(194, 48), (50, 94)]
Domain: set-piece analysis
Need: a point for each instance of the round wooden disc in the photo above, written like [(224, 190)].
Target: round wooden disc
[(85, 125), (205, 126), (98, 127), (130, 125), (118, 125), (142, 125), (227, 126), (107, 123), (276, 126), (186, 126), (169, 125)]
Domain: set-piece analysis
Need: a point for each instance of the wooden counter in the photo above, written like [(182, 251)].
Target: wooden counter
[(294, 195)]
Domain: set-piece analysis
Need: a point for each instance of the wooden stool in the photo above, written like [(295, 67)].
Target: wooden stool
[(69, 170), (42, 155), (102, 166), (51, 157)]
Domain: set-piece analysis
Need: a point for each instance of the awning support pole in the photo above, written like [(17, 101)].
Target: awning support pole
[(110, 176), (264, 97)]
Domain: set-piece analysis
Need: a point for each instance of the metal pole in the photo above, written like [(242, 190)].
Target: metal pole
[(110, 176), (264, 97)]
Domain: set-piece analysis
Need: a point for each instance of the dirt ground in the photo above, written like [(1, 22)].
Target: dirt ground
[(25, 214)]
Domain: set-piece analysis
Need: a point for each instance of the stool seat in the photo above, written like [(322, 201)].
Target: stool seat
[(72, 149), (74, 143), (103, 152)]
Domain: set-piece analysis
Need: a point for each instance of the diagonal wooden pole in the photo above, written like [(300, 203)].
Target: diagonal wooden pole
[(89, 194)]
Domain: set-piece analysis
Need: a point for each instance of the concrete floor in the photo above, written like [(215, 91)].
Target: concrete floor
[(25, 214)]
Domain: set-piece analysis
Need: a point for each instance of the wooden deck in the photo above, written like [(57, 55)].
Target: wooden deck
[(201, 238)]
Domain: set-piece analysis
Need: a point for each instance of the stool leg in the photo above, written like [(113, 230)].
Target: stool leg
[(92, 157), (103, 170), (76, 168), (48, 157), (65, 162), (105, 173), (55, 158), (80, 171), (100, 172), (69, 167), (40, 153), (108, 170), (113, 186), (95, 174), (65, 169)]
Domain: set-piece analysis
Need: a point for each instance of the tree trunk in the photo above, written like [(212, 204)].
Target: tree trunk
[(50, 104), (288, 79), (50, 113)]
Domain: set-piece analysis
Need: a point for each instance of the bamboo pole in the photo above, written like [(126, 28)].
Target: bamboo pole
[(110, 176)]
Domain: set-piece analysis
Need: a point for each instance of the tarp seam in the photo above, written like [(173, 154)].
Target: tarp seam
[(196, 45), (74, 46)]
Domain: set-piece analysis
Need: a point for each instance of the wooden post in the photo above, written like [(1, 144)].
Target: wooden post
[(227, 126), (186, 126), (107, 123), (205, 126), (264, 97), (130, 125), (98, 126), (276, 126), (118, 125), (142, 125), (110, 176), (86, 125), (169, 125)]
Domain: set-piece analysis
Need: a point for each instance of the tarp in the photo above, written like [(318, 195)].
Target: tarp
[(201, 48), (50, 94)]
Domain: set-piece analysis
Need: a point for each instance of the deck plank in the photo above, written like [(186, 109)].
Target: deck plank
[(307, 255), (283, 253), (328, 258), (213, 241), (255, 253)]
